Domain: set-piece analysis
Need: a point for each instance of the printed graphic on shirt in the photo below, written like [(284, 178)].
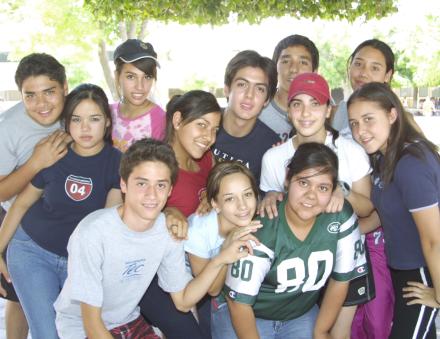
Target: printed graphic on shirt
[(133, 269), (78, 188), (223, 156)]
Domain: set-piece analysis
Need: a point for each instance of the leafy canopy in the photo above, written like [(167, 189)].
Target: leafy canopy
[(217, 12)]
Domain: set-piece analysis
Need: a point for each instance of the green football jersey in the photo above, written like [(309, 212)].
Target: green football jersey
[(283, 277)]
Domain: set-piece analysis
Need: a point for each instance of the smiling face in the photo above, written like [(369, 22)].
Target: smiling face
[(87, 127), (368, 65), (43, 99), (146, 192), (194, 138), (135, 85), (293, 60), (248, 93), (235, 202), (308, 116), (371, 125), (309, 193)]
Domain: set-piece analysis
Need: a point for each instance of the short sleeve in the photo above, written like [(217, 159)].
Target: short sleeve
[(172, 273), (198, 241), (38, 180), (416, 181), (115, 178), (350, 261), (356, 160), (159, 122), (269, 180), (9, 159), (244, 277), (84, 267)]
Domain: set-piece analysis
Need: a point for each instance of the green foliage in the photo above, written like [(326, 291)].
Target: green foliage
[(334, 65), (54, 24), (217, 12)]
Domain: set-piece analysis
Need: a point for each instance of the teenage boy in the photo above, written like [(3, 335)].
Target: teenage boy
[(250, 83), (293, 55), (114, 254), (30, 140)]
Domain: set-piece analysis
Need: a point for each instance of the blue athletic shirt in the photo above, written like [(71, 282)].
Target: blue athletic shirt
[(415, 186), (73, 187)]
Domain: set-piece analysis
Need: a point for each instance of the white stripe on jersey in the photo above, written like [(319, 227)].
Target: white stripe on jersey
[(348, 223), (346, 252)]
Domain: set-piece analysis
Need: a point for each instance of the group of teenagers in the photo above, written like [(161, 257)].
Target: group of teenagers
[(281, 215)]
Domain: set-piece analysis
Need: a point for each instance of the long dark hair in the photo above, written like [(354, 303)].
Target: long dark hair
[(97, 95), (191, 105), (404, 137)]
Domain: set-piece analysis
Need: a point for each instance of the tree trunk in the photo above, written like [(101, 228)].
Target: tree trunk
[(415, 97), (143, 31), (132, 30), (108, 74), (122, 30)]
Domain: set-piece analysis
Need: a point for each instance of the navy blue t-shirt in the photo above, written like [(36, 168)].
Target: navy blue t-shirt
[(248, 150), (73, 187), (415, 186)]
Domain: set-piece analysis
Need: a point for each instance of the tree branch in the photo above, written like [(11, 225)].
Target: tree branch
[(108, 75), (143, 31)]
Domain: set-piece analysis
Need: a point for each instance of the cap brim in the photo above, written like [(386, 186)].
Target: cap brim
[(136, 58)]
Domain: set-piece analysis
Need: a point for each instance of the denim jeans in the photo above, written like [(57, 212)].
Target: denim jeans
[(221, 323), (299, 328), (38, 277)]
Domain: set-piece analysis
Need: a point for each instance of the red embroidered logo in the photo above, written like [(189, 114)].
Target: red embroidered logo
[(78, 188)]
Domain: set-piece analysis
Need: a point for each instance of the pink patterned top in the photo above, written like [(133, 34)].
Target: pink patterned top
[(126, 131)]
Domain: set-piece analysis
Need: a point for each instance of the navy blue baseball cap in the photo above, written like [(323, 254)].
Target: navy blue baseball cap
[(133, 50)]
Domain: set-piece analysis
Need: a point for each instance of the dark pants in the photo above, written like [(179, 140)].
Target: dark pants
[(158, 308), (411, 321)]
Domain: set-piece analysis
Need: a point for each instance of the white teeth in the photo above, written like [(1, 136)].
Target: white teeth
[(149, 205)]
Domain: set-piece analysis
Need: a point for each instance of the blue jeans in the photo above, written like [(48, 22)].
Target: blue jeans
[(38, 277), (221, 323), (299, 328)]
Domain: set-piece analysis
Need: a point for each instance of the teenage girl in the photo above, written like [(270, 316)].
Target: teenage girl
[(193, 120), (192, 123), (51, 206), (232, 192), (273, 293), (372, 60), (135, 116), (309, 108), (406, 194)]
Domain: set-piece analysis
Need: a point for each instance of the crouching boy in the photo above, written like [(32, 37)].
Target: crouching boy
[(114, 253)]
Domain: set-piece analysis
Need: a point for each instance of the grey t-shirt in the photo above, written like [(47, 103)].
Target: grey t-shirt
[(111, 267), (18, 136), (340, 120), (274, 117)]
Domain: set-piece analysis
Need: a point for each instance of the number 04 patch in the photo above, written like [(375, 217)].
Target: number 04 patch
[(78, 188)]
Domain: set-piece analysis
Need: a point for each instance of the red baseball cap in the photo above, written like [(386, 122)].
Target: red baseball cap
[(312, 84)]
